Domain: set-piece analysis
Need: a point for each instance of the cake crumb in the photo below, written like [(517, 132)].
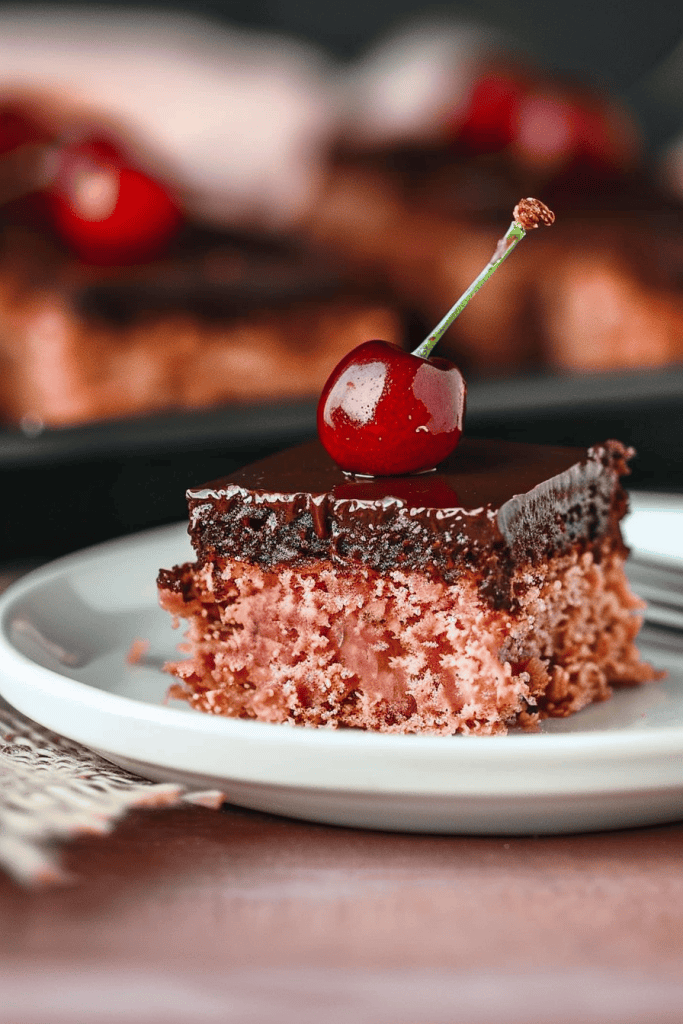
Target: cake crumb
[(138, 649)]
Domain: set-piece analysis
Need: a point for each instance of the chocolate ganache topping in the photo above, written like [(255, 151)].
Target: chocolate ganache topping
[(492, 505)]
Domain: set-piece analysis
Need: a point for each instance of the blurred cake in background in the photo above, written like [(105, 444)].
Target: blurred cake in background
[(215, 321), (442, 132), (229, 220), (160, 271)]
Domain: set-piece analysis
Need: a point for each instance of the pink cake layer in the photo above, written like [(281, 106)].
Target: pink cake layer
[(403, 652)]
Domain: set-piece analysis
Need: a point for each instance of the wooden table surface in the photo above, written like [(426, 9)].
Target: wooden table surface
[(194, 916)]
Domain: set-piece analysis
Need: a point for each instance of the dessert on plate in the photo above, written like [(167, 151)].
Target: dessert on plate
[(348, 582), (487, 594)]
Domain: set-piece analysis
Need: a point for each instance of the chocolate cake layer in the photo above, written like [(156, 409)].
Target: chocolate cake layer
[(492, 506)]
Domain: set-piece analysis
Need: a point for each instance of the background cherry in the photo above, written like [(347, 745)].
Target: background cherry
[(488, 125), (17, 129), (109, 211), (546, 124)]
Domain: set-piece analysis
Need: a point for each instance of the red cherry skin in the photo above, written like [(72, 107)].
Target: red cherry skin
[(564, 128), (605, 141), (133, 221), (489, 122), (545, 130), (16, 129), (386, 412)]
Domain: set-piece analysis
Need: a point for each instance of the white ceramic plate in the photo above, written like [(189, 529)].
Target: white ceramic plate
[(66, 629)]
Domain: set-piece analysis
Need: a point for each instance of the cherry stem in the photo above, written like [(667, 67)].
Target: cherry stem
[(514, 234)]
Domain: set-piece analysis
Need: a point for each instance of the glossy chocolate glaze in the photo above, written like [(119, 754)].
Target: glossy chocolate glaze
[(491, 506)]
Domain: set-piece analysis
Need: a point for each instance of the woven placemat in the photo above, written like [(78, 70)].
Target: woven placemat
[(53, 790)]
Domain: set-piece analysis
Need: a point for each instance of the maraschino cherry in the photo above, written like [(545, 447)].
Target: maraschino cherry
[(386, 412), (108, 210)]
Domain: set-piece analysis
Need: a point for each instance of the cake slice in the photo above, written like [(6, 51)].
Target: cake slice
[(485, 595)]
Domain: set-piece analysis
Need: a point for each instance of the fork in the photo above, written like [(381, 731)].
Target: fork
[(661, 586)]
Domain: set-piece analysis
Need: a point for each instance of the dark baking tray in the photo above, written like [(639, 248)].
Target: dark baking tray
[(63, 489)]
